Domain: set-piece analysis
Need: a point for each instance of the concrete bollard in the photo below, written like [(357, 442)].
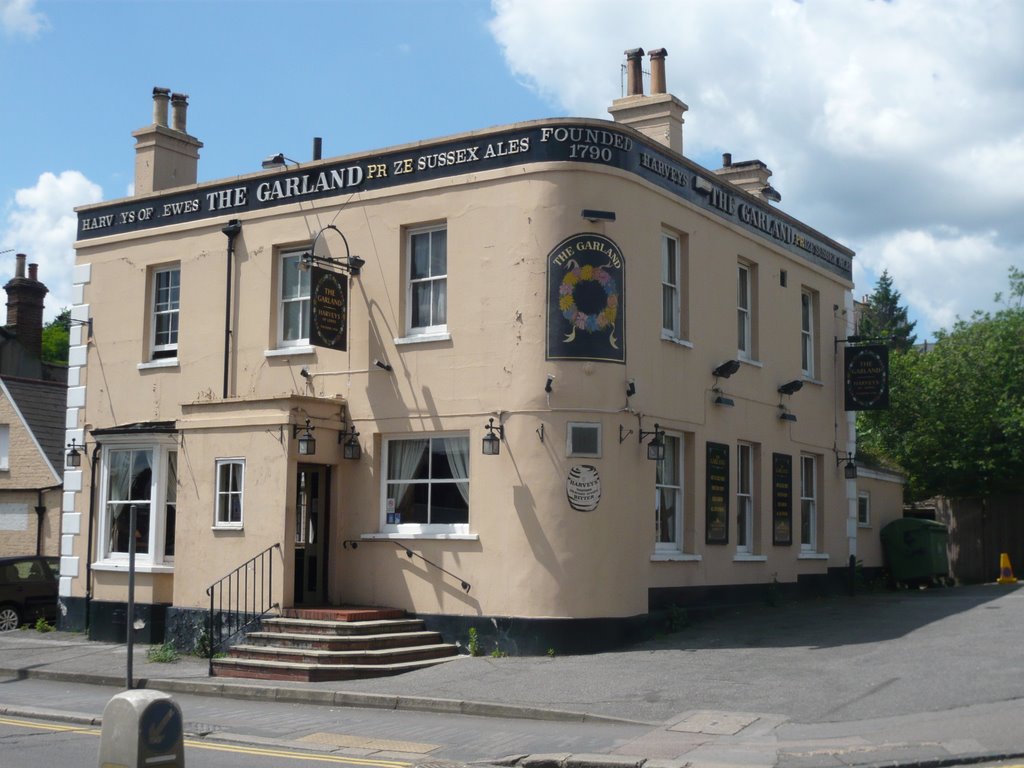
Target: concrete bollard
[(142, 728)]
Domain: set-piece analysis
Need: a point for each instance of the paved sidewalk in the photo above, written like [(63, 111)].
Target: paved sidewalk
[(866, 681)]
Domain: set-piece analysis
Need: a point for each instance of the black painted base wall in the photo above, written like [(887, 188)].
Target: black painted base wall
[(72, 614), (668, 607), (106, 621)]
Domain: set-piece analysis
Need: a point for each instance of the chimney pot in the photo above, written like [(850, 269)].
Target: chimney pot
[(726, 159), (160, 99), (179, 107), (658, 70), (634, 72), (19, 264), (33, 272)]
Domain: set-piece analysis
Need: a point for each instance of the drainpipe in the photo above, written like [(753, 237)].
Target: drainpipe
[(88, 545), (231, 230)]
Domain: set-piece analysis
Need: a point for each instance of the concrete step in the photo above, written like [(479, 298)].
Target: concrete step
[(333, 613), (324, 627), (334, 657), (312, 673), (325, 642)]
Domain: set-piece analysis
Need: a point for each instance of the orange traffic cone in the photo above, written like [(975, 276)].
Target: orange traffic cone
[(1005, 570)]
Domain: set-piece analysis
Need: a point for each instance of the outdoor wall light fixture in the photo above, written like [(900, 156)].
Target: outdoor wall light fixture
[(595, 216), (74, 458), (726, 369), (630, 387), (307, 443), (547, 384), (493, 438), (349, 441), (87, 324), (850, 462), (351, 264), (655, 448), (788, 389), (791, 387), (278, 161), (382, 365)]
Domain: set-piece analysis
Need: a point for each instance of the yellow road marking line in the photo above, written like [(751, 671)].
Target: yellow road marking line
[(260, 751)]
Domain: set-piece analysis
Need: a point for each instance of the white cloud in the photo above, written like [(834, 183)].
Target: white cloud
[(882, 121), (42, 224), (943, 275), (20, 18)]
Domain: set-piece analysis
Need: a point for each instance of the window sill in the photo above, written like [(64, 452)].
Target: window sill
[(420, 537), (121, 566), (812, 556), (163, 362), (305, 349), (423, 338), (741, 558), (675, 557), (864, 526), (750, 361), (216, 528), (811, 380), (676, 340)]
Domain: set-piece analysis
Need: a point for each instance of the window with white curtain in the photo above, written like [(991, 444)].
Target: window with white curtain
[(426, 484), (143, 476)]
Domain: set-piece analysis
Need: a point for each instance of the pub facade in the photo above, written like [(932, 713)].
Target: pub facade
[(537, 379)]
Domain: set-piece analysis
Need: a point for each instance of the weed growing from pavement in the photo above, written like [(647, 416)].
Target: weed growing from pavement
[(42, 625), (474, 642), (162, 654)]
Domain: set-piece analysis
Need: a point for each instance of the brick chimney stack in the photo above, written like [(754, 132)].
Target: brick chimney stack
[(25, 306)]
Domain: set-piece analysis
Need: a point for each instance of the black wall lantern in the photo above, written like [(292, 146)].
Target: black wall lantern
[(307, 443), (849, 461), (350, 448), (493, 438), (655, 448), (73, 457)]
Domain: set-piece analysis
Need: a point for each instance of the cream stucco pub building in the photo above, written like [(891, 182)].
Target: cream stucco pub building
[(548, 378)]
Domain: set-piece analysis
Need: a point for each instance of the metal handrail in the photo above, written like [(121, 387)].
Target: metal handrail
[(246, 603), (410, 554)]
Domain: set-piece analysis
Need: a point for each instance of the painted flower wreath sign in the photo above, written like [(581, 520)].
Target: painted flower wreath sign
[(586, 293)]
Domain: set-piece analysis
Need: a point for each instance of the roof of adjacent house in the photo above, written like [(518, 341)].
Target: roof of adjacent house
[(43, 405)]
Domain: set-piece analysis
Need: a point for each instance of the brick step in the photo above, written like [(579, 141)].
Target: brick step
[(340, 658), (313, 673), (341, 642), (343, 628)]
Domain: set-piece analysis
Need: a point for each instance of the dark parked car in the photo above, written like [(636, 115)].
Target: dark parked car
[(28, 590)]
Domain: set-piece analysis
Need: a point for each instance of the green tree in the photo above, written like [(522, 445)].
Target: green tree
[(56, 335), (956, 419), (883, 317)]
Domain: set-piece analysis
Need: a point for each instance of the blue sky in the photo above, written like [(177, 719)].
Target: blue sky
[(897, 128)]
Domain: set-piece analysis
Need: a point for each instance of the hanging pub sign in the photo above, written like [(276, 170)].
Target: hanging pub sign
[(866, 377), (782, 499), (328, 309), (717, 528), (586, 300)]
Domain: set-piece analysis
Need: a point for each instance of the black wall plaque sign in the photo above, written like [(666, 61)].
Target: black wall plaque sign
[(328, 309), (586, 300), (782, 499), (866, 375), (717, 527)]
